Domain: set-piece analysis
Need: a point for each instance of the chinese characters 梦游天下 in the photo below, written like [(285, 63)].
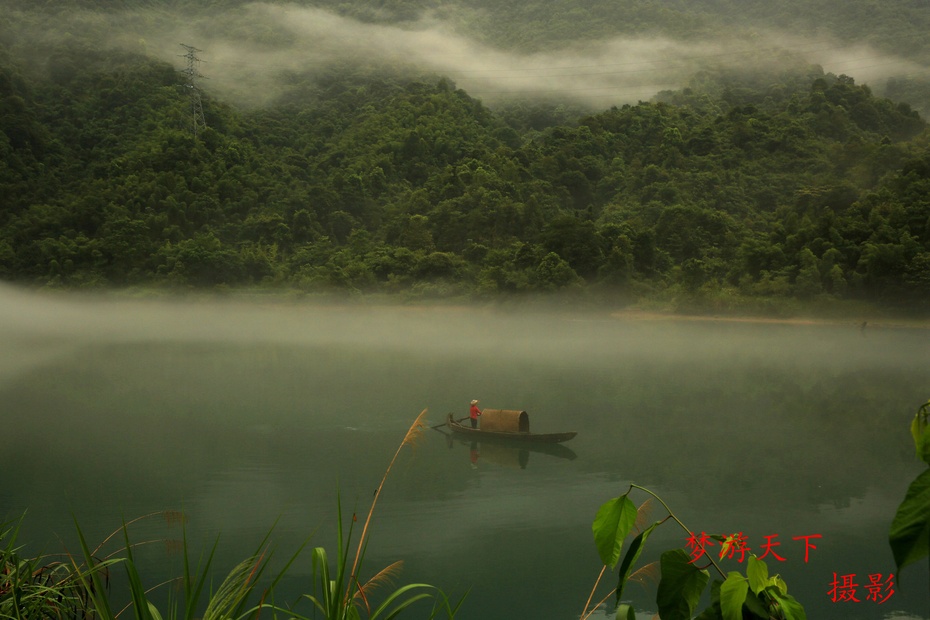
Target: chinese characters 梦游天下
[(736, 545)]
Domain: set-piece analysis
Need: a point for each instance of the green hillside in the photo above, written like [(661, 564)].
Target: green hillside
[(740, 188)]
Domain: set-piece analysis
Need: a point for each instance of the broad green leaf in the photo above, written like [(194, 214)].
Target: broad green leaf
[(625, 612), (733, 595), (612, 524), (910, 531), (924, 447), (632, 554), (779, 583), (681, 586), (758, 574), (790, 608), (755, 605), (711, 613), (713, 610)]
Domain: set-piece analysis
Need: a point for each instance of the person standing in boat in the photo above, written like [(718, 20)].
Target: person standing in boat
[(473, 413)]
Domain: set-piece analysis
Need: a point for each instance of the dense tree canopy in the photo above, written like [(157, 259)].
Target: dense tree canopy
[(801, 184)]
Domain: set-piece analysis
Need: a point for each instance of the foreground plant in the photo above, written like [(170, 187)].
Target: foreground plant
[(231, 600), (39, 587), (339, 594), (80, 586), (909, 536), (682, 582)]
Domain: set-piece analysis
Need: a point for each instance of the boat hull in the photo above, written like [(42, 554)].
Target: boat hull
[(477, 433)]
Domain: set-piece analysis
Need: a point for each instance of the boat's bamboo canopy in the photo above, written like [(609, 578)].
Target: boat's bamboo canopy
[(506, 420)]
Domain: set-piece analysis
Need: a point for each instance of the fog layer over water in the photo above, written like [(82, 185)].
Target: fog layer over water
[(241, 414)]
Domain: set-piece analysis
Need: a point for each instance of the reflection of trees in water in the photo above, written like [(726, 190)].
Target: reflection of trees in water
[(752, 430), (766, 417)]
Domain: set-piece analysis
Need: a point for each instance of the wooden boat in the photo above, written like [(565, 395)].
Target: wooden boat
[(506, 424)]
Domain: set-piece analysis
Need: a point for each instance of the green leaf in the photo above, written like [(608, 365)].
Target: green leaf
[(321, 574), (925, 453), (713, 610), (142, 606), (232, 592), (711, 613), (790, 608), (758, 574), (612, 524), (625, 612), (681, 586), (755, 605), (153, 611), (909, 537), (632, 554), (779, 583), (396, 594), (923, 448), (733, 595), (917, 434), (920, 431), (90, 578)]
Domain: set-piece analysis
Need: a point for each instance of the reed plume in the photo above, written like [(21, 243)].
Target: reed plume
[(384, 577), (414, 433)]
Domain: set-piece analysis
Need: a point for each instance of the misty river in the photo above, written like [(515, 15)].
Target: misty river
[(251, 415)]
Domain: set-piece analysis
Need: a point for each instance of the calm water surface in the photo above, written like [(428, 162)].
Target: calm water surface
[(246, 415)]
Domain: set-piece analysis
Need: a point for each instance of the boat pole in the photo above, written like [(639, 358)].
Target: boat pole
[(443, 424)]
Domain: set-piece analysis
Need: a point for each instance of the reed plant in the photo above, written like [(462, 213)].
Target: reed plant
[(80, 584), (35, 587), (338, 592), (233, 599)]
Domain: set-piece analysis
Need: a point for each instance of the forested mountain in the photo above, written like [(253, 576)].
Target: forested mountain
[(380, 175)]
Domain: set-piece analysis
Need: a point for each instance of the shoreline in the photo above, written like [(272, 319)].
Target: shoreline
[(869, 318), (885, 323)]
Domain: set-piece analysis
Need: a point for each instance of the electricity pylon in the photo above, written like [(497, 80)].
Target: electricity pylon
[(198, 122)]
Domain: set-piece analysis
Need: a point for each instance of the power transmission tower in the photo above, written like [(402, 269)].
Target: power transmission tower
[(199, 123)]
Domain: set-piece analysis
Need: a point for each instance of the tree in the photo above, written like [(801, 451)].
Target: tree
[(553, 273), (576, 241)]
